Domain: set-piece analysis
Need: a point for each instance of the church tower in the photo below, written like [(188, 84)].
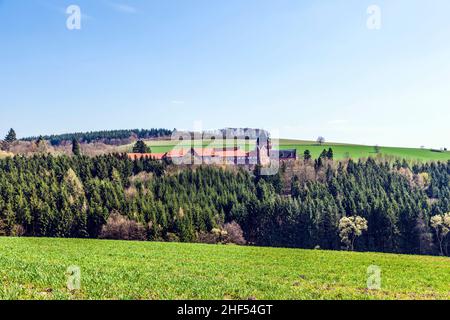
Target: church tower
[(263, 149)]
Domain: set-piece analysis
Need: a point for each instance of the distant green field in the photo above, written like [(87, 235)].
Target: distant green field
[(161, 146), (36, 269), (341, 151)]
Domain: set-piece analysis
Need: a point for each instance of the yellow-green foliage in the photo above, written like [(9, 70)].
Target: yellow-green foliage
[(4, 154), (37, 269)]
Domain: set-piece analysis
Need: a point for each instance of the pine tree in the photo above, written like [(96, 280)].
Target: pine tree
[(307, 155), (330, 154), (39, 141), (11, 136), (76, 148), (141, 147)]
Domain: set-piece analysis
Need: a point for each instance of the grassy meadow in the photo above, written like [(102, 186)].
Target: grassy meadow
[(162, 146), (341, 151), (33, 268)]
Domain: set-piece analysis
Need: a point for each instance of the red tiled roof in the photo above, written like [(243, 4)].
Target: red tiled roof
[(204, 152), (199, 152), (177, 153), (220, 153), (230, 153)]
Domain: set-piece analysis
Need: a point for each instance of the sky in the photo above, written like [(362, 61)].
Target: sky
[(297, 68)]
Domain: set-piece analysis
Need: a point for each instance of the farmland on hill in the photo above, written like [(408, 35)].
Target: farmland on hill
[(341, 151), (161, 146), (37, 269)]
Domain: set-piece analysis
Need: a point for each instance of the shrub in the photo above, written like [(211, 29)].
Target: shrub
[(234, 233), (3, 229), (207, 237), (230, 233), (119, 227), (18, 231), (172, 237)]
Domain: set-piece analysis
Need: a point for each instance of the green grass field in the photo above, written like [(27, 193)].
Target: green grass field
[(161, 146), (36, 269), (341, 151)]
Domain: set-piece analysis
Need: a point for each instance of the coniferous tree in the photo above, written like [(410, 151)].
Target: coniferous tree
[(141, 147), (74, 197), (40, 141), (76, 150), (330, 154), (11, 136), (307, 155)]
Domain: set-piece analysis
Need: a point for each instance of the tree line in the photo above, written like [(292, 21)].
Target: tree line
[(75, 196), (107, 137)]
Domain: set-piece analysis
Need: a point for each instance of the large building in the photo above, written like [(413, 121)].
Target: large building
[(263, 154)]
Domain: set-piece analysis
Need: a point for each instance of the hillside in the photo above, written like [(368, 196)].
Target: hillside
[(301, 207), (341, 150), (36, 269)]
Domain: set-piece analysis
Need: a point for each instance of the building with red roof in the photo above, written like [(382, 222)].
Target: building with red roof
[(228, 155)]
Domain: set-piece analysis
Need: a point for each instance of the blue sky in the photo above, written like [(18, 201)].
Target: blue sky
[(303, 68)]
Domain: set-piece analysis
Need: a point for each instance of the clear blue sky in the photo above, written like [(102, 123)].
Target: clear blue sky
[(305, 68)]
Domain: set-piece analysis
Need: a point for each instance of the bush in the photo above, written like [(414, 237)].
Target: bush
[(208, 238), (230, 233), (172, 237), (119, 227), (3, 229), (18, 231), (234, 233)]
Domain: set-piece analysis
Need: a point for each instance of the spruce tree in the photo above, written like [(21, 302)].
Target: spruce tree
[(307, 155), (39, 141), (11, 136), (141, 147), (330, 154), (76, 148)]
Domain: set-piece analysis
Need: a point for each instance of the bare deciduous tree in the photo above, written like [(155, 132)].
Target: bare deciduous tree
[(320, 140), (119, 227), (234, 233)]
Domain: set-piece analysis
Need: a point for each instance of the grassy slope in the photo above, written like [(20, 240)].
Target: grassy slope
[(161, 146), (360, 151), (341, 150), (35, 269)]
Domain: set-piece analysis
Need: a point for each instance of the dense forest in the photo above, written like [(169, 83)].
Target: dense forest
[(107, 137), (300, 207)]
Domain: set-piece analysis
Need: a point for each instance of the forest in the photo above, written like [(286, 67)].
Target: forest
[(107, 136), (64, 196)]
